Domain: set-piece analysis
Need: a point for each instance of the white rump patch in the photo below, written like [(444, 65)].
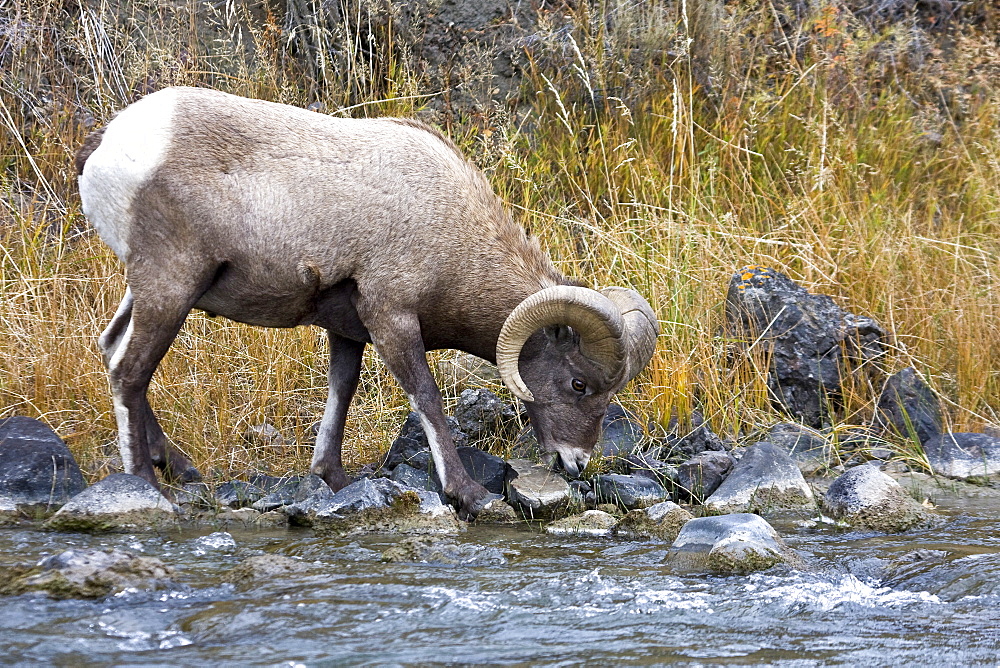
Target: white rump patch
[(132, 148)]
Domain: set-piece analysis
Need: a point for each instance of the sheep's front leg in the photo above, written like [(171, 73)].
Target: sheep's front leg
[(344, 372), (402, 349)]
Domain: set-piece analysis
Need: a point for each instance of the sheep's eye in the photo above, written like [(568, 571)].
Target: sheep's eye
[(579, 385)]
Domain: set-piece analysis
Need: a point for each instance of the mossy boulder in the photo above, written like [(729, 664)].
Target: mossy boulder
[(86, 574), (589, 523), (866, 498), (262, 568), (739, 543), (662, 521)]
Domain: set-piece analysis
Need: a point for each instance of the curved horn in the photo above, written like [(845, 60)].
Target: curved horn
[(641, 328), (593, 316)]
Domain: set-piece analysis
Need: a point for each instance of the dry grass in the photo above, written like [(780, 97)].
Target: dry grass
[(655, 150)]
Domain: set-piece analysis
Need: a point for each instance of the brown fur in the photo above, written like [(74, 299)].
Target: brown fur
[(89, 145)]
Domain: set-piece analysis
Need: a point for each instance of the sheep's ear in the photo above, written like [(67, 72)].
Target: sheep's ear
[(562, 337)]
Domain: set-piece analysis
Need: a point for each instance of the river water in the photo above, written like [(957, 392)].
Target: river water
[(923, 598)]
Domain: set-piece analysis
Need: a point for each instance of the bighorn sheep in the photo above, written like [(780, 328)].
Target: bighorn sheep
[(377, 230)]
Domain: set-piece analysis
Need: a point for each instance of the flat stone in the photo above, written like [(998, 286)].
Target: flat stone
[(118, 503), (765, 479), (963, 455), (701, 475), (589, 523), (37, 471), (867, 498), (736, 543), (380, 505), (538, 491), (629, 491), (662, 521), (83, 573), (810, 451)]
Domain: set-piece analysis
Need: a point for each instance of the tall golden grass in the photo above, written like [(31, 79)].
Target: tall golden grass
[(650, 148)]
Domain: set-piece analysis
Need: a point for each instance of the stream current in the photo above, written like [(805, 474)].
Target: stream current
[(923, 598)]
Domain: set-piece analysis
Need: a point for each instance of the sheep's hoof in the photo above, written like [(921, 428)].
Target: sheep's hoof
[(472, 502)]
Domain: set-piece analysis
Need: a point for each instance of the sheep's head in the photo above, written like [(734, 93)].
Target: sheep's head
[(565, 351)]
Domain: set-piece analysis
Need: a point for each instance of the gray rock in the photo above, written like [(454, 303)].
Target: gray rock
[(82, 573), (488, 470), (539, 492), (427, 550), (262, 492), (380, 505), (411, 445), (963, 455), (628, 491), (195, 496), (737, 543), (909, 407), (698, 440), (311, 494), (497, 511), (280, 492), (266, 437), (701, 475), (662, 521), (808, 448), (647, 466), (765, 479), (867, 498), (813, 342), (406, 475), (119, 503), (621, 433), (238, 494), (37, 472), (589, 523), (484, 418)]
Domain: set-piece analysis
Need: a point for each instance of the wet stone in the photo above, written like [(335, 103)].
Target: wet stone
[(589, 523), (37, 471), (701, 475), (765, 479), (537, 491), (497, 512), (867, 498), (808, 448), (245, 518), (737, 543), (263, 568), (662, 521), (118, 503), (83, 573), (381, 505), (426, 550), (963, 455), (909, 407), (629, 491)]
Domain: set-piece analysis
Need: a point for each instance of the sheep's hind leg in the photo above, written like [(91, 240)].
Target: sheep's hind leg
[(344, 372), (175, 466), (133, 345), (402, 349)]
